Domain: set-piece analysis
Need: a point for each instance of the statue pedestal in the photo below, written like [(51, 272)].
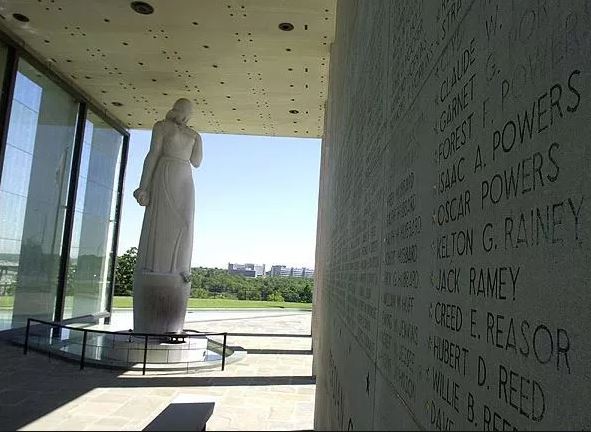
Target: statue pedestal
[(159, 302), (160, 353)]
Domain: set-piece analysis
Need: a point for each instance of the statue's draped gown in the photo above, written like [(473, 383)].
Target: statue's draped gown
[(166, 241)]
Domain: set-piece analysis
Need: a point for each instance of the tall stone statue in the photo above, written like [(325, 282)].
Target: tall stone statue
[(162, 278)]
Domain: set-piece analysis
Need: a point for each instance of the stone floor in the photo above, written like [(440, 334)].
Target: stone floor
[(271, 389)]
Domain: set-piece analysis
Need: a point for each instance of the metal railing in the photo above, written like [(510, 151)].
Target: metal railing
[(187, 334)]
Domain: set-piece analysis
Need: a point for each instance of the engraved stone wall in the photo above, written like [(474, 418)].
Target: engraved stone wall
[(454, 232)]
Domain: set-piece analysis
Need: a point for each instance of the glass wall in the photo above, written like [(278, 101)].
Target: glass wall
[(7, 265), (88, 283), (39, 215), (33, 195)]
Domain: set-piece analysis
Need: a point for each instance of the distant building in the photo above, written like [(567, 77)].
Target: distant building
[(279, 270), (308, 273), (248, 270), (283, 271)]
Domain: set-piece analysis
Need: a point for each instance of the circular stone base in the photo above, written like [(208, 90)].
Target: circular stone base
[(128, 351), (131, 350), (174, 352)]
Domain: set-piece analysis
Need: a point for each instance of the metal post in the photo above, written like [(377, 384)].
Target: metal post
[(83, 350), (224, 352), (49, 339), (116, 227), (6, 96), (145, 354), (69, 218), (10, 72), (26, 349)]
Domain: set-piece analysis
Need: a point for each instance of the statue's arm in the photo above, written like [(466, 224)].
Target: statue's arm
[(142, 193), (197, 153)]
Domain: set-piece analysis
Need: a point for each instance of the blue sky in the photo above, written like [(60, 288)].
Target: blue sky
[(256, 199)]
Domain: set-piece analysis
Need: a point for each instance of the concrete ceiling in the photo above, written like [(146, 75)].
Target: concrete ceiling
[(243, 73)]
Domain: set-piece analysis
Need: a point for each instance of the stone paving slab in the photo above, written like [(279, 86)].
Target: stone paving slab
[(265, 391)]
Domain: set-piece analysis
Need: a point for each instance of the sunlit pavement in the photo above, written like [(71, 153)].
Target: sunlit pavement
[(271, 389)]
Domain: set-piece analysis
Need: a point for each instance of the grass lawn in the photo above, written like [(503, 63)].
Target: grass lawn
[(127, 302), (6, 302)]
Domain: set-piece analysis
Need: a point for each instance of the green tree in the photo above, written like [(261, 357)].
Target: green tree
[(306, 292), (124, 272), (199, 293), (218, 283), (275, 297)]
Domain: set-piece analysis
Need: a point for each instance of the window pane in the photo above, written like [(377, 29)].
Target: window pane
[(33, 196), (92, 240)]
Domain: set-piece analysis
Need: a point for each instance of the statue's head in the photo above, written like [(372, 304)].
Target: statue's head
[(181, 111)]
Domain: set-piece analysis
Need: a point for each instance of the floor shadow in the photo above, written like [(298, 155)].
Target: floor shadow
[(33, 386), (287, 335), (192, 381), (279, 351)]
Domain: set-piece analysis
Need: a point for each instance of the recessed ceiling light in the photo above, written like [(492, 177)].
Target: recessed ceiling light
[(294, 111), (117, 104), (142, 8), (20, 17), (286, 26)]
